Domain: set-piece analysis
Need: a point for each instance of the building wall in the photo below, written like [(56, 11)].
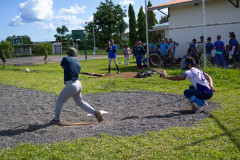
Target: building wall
[(217, 11)]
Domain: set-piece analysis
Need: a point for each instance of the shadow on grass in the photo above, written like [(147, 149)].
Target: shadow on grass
[(227, 132), (31, 128)]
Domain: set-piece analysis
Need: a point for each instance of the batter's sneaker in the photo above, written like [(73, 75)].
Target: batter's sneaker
[(200, 109), (53, 122), (99, 117)]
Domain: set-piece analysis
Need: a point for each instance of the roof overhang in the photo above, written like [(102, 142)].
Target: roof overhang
[(172, 4)]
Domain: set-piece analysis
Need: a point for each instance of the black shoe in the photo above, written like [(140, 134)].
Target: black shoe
[(99, 117), (55, 122)]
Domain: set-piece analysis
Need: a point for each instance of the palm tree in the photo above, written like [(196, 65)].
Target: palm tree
[(6, 50)]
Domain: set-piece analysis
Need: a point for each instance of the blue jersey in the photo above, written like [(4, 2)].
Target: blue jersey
[(153, 46), (233, 42), (112, 51), (140, 51), (164, 46), (193, 48), (72, 68), (209, 47), (219, 46)]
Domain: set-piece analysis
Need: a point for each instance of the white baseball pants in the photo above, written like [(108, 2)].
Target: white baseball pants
[(72, 89)]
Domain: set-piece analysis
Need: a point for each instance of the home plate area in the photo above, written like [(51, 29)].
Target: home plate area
[(25, 115)]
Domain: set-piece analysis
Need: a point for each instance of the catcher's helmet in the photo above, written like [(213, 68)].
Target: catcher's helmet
[(185, 62)]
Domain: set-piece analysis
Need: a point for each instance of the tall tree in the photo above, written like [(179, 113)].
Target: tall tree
[(132, 25), (141, 24), (121, 28), (163, 19), (61, 34), (6, 50), (106, 20), (152, 21)]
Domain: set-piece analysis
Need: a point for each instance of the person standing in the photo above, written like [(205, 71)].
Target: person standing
[(127, 53), (219, 47), (200, 48), (135, 49), (233, 49), (139, 55), (73, 87), (193, 50), (202, 86), (164, 47), (112, 49), (172, 50), (209, 48)]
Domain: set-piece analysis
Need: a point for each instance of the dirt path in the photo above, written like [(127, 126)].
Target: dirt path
[(51, 59)]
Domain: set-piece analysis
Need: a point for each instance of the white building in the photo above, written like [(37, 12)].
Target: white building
[(186, 20)]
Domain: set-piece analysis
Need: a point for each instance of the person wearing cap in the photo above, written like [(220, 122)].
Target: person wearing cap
[(112, 49), (72, 87), (202, 86), (127, 53), (219, 47)]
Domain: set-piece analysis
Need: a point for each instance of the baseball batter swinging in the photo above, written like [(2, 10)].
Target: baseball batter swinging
[(202, 85), (73, 87)]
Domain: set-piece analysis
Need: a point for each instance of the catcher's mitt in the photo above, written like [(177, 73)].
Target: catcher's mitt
[(162, 73)]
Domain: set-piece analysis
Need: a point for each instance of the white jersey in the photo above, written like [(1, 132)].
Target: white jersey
[(197, 77)]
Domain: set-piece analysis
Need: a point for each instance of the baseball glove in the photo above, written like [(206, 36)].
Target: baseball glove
[(162, 73)]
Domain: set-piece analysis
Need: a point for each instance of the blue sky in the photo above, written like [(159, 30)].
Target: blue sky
[(39, 19)]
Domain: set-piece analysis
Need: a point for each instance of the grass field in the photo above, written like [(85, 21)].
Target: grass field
[(216, 137)]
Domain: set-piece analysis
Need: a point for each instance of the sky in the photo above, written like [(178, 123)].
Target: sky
[(39, 19)]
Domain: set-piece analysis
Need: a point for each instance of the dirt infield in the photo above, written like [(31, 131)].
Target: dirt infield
[(25, 113)]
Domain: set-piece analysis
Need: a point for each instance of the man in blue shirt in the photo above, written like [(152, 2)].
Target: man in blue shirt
[(139, 55), (233, 49), (193, 51), (219, 46), (209, 48), (112, 49), (164, 48), (73, 87)]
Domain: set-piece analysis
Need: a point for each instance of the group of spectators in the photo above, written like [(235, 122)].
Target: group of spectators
[(165, 49), (227, 56)]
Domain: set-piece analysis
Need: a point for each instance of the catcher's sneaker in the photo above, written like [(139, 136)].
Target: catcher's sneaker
[(200, 109), (194, 106), (53, 122), (99, 117)]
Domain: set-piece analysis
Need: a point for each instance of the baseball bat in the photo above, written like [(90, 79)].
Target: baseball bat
[(92, 74)]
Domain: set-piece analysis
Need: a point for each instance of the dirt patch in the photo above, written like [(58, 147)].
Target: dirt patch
[(124, 74), (25, 113)]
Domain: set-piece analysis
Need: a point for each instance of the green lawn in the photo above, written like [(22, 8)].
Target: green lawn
[(216, 137)]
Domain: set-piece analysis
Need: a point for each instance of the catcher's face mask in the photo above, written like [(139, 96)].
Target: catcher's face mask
[(185, 64)]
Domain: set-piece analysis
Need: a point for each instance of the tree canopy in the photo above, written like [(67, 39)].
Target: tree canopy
[(61, 34), (152, 21), (6, 50), (141, 24), (132, 25), (106, 20)]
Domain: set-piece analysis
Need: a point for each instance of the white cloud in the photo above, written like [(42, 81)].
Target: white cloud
[(126, 19), (127, 2), (40, 14), (72, 10), (90, 19), (33, 10)]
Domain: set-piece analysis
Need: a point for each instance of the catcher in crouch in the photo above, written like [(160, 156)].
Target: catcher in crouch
[(202, 85)]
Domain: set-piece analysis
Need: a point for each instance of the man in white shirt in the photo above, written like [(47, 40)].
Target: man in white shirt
[(202, 85)]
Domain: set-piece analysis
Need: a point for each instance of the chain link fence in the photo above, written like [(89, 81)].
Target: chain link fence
[(198, 26)]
